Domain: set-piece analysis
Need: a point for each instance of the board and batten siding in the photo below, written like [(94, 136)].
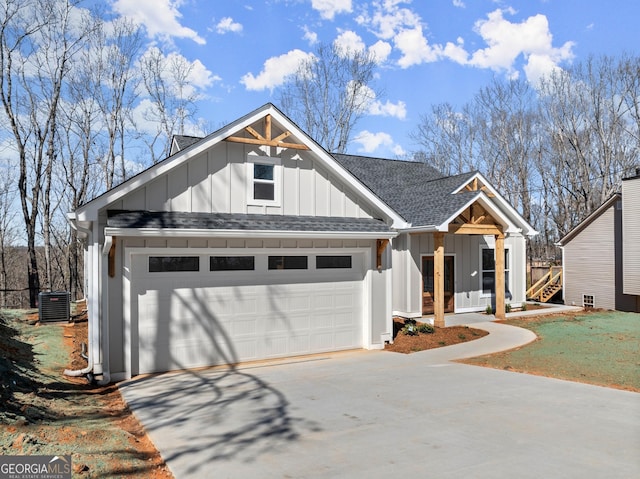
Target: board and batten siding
[(465, 249), (631, 235), (589, 263), (216, 181)]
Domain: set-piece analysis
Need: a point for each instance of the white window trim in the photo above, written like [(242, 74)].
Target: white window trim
[(277, 180), (482, 270)]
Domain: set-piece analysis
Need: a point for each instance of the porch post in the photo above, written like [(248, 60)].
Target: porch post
[(499, 282), (438, 279)]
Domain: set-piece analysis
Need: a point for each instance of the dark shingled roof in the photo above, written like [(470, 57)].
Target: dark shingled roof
[(417, 191), (249, 222), (183, 141)]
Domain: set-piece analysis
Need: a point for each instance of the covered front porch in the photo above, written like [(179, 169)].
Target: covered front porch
[(475, 260)]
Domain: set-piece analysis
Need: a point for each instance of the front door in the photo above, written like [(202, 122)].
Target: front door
[(428, 283)]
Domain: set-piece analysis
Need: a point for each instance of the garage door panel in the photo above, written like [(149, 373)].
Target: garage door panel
[(201, 319)]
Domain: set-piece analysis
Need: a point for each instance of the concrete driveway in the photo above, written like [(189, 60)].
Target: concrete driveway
[(376, 414)]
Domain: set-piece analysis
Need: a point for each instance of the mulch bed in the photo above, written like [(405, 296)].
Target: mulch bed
[(440, 337)]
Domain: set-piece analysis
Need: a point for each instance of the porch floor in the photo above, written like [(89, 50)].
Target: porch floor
[(465, 319)]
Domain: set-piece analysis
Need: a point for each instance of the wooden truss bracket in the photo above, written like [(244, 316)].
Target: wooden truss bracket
[(381, 245), (475, 185), (266, 140)]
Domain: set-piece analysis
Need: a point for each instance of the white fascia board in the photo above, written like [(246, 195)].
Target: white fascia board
[(271, 234), (526, 228)]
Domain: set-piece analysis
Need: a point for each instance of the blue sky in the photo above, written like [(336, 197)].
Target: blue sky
[(429, 51)]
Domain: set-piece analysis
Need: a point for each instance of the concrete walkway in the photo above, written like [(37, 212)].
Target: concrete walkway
[(376, 414)]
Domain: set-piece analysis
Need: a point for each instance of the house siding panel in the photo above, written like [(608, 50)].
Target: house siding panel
[(217, 181), (631, 235), (466, 252), (201, 184), (589, 263)]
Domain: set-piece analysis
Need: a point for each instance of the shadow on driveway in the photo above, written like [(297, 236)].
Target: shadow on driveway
[(204, 416)]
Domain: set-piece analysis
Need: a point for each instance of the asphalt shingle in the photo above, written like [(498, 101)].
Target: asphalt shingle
[(417, 191), (248, 222)]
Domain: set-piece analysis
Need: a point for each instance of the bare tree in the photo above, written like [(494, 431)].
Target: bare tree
[(556, 152), (38, 38), (172, 99), (7, 231), (592, 137), (447, 139), (329, 93)]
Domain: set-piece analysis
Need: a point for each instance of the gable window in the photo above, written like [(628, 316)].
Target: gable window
[(488, 276), (288, 262), (263, 184), (333, 262), (263, 174), (166, 264), (231, 263)]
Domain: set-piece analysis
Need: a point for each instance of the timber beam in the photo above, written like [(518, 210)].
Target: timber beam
[(266, 139)]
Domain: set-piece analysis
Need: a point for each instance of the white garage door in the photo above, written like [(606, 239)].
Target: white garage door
[(202, 310)]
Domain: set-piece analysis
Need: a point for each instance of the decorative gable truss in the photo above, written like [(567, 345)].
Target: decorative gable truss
[(475, 184), (475, 219), (265, 139)]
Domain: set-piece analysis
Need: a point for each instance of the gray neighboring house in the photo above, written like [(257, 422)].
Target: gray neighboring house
[(255, 243), (601, 256)]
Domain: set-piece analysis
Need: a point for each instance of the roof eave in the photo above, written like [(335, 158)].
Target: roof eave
[(261, 234), (589, 219)]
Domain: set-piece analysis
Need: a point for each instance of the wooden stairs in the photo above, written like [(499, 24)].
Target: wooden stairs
[(547, 286)]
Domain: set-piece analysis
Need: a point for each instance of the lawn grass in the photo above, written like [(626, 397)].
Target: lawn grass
[(600, 347)]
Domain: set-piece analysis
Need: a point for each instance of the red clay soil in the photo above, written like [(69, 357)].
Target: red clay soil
[(47, 413), (440, 337)]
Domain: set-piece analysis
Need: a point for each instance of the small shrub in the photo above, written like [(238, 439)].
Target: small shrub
[(507, 308), (461, 336), (425, 328), (410, 328), (489, 310), (523, 307)]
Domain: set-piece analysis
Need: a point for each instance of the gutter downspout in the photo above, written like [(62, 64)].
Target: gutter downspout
[(104, 277), (86, 370)]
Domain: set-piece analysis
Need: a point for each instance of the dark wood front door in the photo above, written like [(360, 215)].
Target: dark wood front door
[(427, 284)]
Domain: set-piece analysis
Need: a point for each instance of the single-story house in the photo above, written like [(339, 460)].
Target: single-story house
[(255, 243), (601, 255)]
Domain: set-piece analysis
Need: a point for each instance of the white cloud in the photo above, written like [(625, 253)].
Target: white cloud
[(507, 41), (371, 142), (415, 48), (388, 19), (459, 4), (396, 110), (404, 28), (310, 36), (456, 52), (198, 79), (349, 41), (227, 25), (275, 71), (329, 8), (161, 18), (381, 51)]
